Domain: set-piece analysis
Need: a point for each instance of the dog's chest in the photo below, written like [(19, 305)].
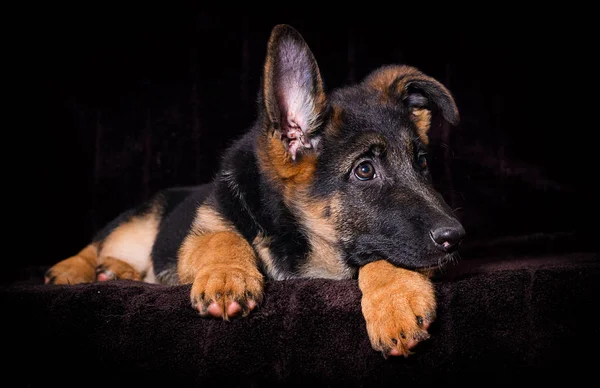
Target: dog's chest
[(318, 259)]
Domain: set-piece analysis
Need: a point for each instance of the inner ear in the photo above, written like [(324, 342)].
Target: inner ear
[(414, 99), (294, 97)]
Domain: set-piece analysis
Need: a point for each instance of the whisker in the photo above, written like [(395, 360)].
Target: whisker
[(457, 257)]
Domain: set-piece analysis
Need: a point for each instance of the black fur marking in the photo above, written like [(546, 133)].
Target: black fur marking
[(237, 188), (417, 100), (250, 202), (288, 244), (179, 210)]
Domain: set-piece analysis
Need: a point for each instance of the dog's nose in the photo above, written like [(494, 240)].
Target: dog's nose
[(448, 238)]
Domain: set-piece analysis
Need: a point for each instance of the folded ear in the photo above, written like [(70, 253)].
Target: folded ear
[(293, 91), (419, 93)]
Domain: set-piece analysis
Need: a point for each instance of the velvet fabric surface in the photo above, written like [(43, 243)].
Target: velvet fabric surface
[(499, 322)]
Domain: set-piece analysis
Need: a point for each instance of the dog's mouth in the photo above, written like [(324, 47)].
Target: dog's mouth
[(424, 261), (436, 263), (442, 262)]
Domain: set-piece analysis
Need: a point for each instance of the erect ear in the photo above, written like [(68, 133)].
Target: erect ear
[(293, 91), (419, 93)]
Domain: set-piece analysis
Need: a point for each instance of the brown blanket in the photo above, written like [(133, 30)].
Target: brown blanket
[(500, 321)]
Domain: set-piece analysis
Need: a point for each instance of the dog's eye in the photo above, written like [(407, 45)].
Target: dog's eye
[(422, 161), (365, 171)]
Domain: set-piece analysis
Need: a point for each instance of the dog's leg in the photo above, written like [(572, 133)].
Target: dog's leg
[(80, 268), (222, 268), (86, 267), (111, 268), (398, 306)]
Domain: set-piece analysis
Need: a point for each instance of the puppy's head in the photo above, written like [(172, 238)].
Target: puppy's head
[(353, 163)]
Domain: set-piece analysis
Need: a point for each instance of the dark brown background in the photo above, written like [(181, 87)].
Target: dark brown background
[(128, 102)]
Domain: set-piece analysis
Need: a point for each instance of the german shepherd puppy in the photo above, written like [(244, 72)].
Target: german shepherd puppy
[(323, 185)]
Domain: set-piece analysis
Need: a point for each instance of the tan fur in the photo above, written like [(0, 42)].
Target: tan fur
[(337, 119), (132, 243), (294, 179), (393, 299), (209, 220), (222, 268), (325, 259), (80, 268), (398, 76), (219, 262), (261, 246), (422, 120), (268, 69), (276, 164)]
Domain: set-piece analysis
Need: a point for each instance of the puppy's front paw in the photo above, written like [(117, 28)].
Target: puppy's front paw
[(227, 291), (398, 306)]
